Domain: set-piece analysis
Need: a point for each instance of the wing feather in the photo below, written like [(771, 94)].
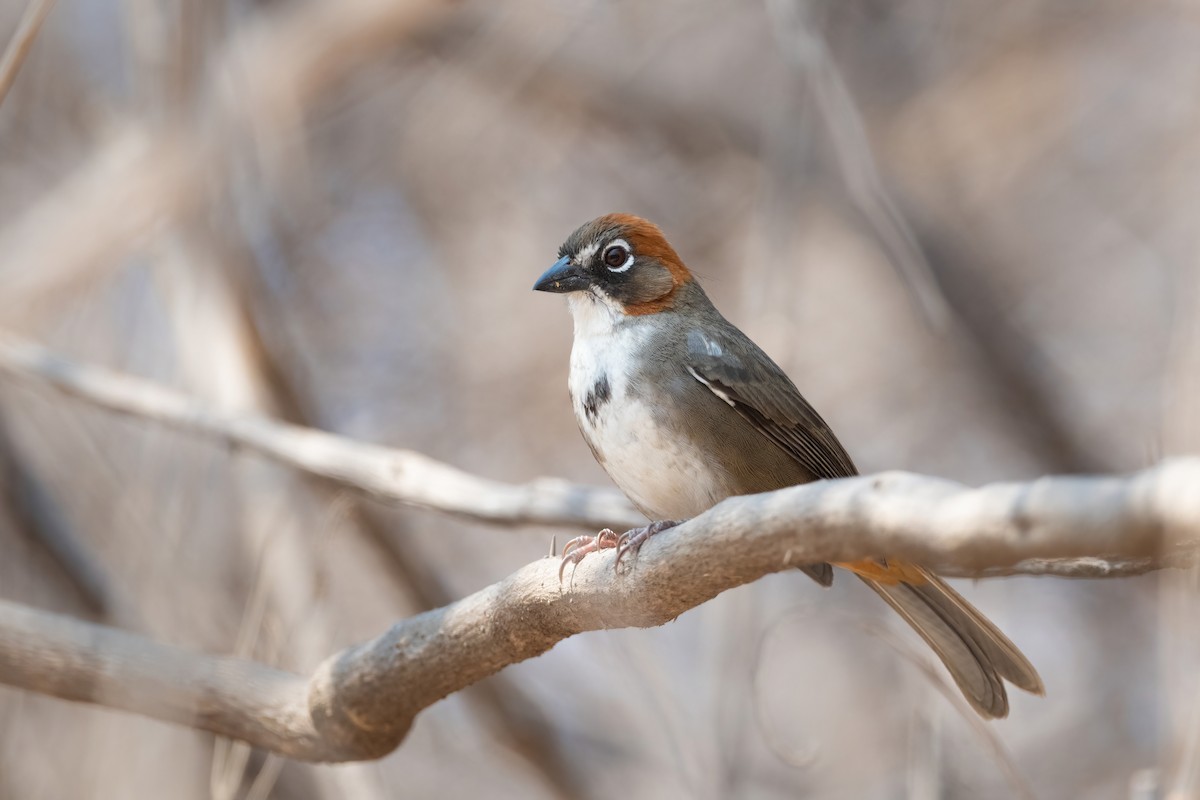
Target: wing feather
[(763, 394)]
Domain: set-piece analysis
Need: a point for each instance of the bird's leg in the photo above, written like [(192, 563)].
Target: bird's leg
[(632, 541), (575, 550)]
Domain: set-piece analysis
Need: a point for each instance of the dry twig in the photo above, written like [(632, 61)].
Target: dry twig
[(21, 42), (397, 475), (270, 71)]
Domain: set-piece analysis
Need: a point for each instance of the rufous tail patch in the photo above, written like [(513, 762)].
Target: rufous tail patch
[(889, 573)]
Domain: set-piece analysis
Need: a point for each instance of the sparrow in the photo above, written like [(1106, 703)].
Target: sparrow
[(683, 410)]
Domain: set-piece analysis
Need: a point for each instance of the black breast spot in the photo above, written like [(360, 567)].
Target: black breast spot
[(597, 396)]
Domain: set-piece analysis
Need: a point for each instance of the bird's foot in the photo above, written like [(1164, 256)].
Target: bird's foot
[(575, 550), (631, 541)]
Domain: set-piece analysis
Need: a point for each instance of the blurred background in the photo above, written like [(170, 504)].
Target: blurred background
[(967, 229)]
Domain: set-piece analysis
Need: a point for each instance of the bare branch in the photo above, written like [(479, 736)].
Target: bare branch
[(398, 475), (805, 48), (1178, 557), (74, 660), (266, 74), (36, 514), (1013, 365), (518, 721), (361, 702), (18, 47)]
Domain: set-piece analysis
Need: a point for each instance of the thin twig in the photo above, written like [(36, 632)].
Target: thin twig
[(38, 515), (1182, 556), (150, 172), (408, 477), (1012, 364), (22, 41), (502, 703), (401, 476), (804, 47)]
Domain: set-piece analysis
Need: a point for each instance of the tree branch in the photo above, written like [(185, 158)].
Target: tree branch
[(19, 46), (414, 479), (265, 75), (361, 702), (401, 476), (33, 510), (63, 657)]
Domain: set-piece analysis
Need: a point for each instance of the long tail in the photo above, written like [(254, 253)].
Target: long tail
[(977, 654)]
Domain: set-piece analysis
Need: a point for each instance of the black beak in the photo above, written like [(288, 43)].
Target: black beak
[(561, 278)]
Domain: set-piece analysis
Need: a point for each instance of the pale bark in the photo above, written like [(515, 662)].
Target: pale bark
[(401, 476), (361, 702)]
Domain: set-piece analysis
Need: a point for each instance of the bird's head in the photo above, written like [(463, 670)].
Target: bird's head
[(620, 260)]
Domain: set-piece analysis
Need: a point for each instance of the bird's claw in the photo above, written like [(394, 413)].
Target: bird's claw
[(630, 542), (627, 543), (575, 550)]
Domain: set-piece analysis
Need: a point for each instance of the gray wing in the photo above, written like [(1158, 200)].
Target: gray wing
[(762, 393)]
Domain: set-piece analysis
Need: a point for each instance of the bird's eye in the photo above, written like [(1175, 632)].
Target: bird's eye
[(618, 257)]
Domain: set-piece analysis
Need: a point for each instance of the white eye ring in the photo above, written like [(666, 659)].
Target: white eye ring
[(624, 245)]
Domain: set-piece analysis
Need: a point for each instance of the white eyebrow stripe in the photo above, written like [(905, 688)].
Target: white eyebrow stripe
[(586, 253), (628, 261), (712, 388)]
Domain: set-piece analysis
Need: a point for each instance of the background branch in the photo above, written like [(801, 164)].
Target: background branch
[(33, 510), (362, 701), (22, 40), (412, 478), (146, 173), (397, 475)]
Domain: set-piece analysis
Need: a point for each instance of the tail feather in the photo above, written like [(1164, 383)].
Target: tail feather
[(974, 650), (1010, 663), (821, 573)]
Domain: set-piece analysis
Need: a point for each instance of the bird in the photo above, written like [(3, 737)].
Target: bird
[(683, 410)]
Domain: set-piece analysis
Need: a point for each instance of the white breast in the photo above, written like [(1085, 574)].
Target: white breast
[(660, 472)]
